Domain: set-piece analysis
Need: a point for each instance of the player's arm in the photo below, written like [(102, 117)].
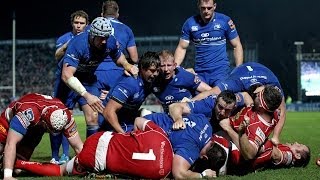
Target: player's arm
[(247, 149), (278, 128), (176, 110), (181, 51), (203, 87), (215, 90), (73, 82), (76, 143), (247, 99), (129, 68), (133, 54), (180, 170), (110, 114), (60, 52), (139, 123), (9, 157), (237, 50), (226, 126)]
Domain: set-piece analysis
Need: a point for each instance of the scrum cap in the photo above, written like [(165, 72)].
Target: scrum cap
[(101, 26), (55, 118)]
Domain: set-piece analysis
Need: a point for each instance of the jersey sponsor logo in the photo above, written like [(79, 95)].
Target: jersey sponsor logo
[(260, 134), (217, 26), (204, 34), (252, 77), (231, 24), (194, 28), (123, 91), (203, 133), (161, 159), (209, 40), (169, 98)]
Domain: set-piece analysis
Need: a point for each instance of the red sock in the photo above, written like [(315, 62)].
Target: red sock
[(42, 169)]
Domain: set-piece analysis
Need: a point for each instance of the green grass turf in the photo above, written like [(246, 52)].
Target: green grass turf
[(303, 127)]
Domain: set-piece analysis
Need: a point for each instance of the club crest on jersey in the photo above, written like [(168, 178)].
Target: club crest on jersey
[(217, 26), (194, 28)]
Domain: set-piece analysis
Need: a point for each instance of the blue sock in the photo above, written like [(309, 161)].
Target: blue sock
[(55, 145), (91, 129), (65, 145)]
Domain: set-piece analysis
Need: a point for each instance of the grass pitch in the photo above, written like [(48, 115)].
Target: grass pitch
[(303, 127)]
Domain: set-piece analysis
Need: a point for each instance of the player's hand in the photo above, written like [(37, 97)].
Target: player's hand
[(185, 99), (209, 173), (130, 69), (225, 124), (103, 94), (244, 124), (275, 141), (179, 124), (94, 102)]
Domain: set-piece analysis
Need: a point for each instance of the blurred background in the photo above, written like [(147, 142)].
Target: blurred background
[(283, 35)]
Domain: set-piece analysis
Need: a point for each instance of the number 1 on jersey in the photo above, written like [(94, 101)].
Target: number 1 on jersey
[(144, 156)]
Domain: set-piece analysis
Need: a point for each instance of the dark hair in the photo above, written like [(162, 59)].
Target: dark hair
[(228, 96), (199, 1), (110, 8), (272, 97), (149, 59), (79, 13), (304, 160), (251, 90), (217, 157)]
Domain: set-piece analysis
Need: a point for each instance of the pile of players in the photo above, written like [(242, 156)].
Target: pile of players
[(214, 122)]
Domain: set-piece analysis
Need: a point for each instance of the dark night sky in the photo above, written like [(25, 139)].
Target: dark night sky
[(274, 24)]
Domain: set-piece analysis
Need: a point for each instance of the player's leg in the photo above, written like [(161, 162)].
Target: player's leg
[(55, 141), (91, 117), (65, 149), (40, 169)]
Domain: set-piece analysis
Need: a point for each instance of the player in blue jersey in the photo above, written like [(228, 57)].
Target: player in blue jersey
[(108, 72), (76, 81), (209, 31), (213, 107), (79, 21), (187, 143), (125, 99), (248, 77), (175, 83)]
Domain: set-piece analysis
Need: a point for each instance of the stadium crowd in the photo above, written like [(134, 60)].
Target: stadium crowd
[(215, 120)]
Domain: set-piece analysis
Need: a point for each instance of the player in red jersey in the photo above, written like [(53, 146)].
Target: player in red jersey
[(270, 156), (259, 122), (24, 122), (142, 154)]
